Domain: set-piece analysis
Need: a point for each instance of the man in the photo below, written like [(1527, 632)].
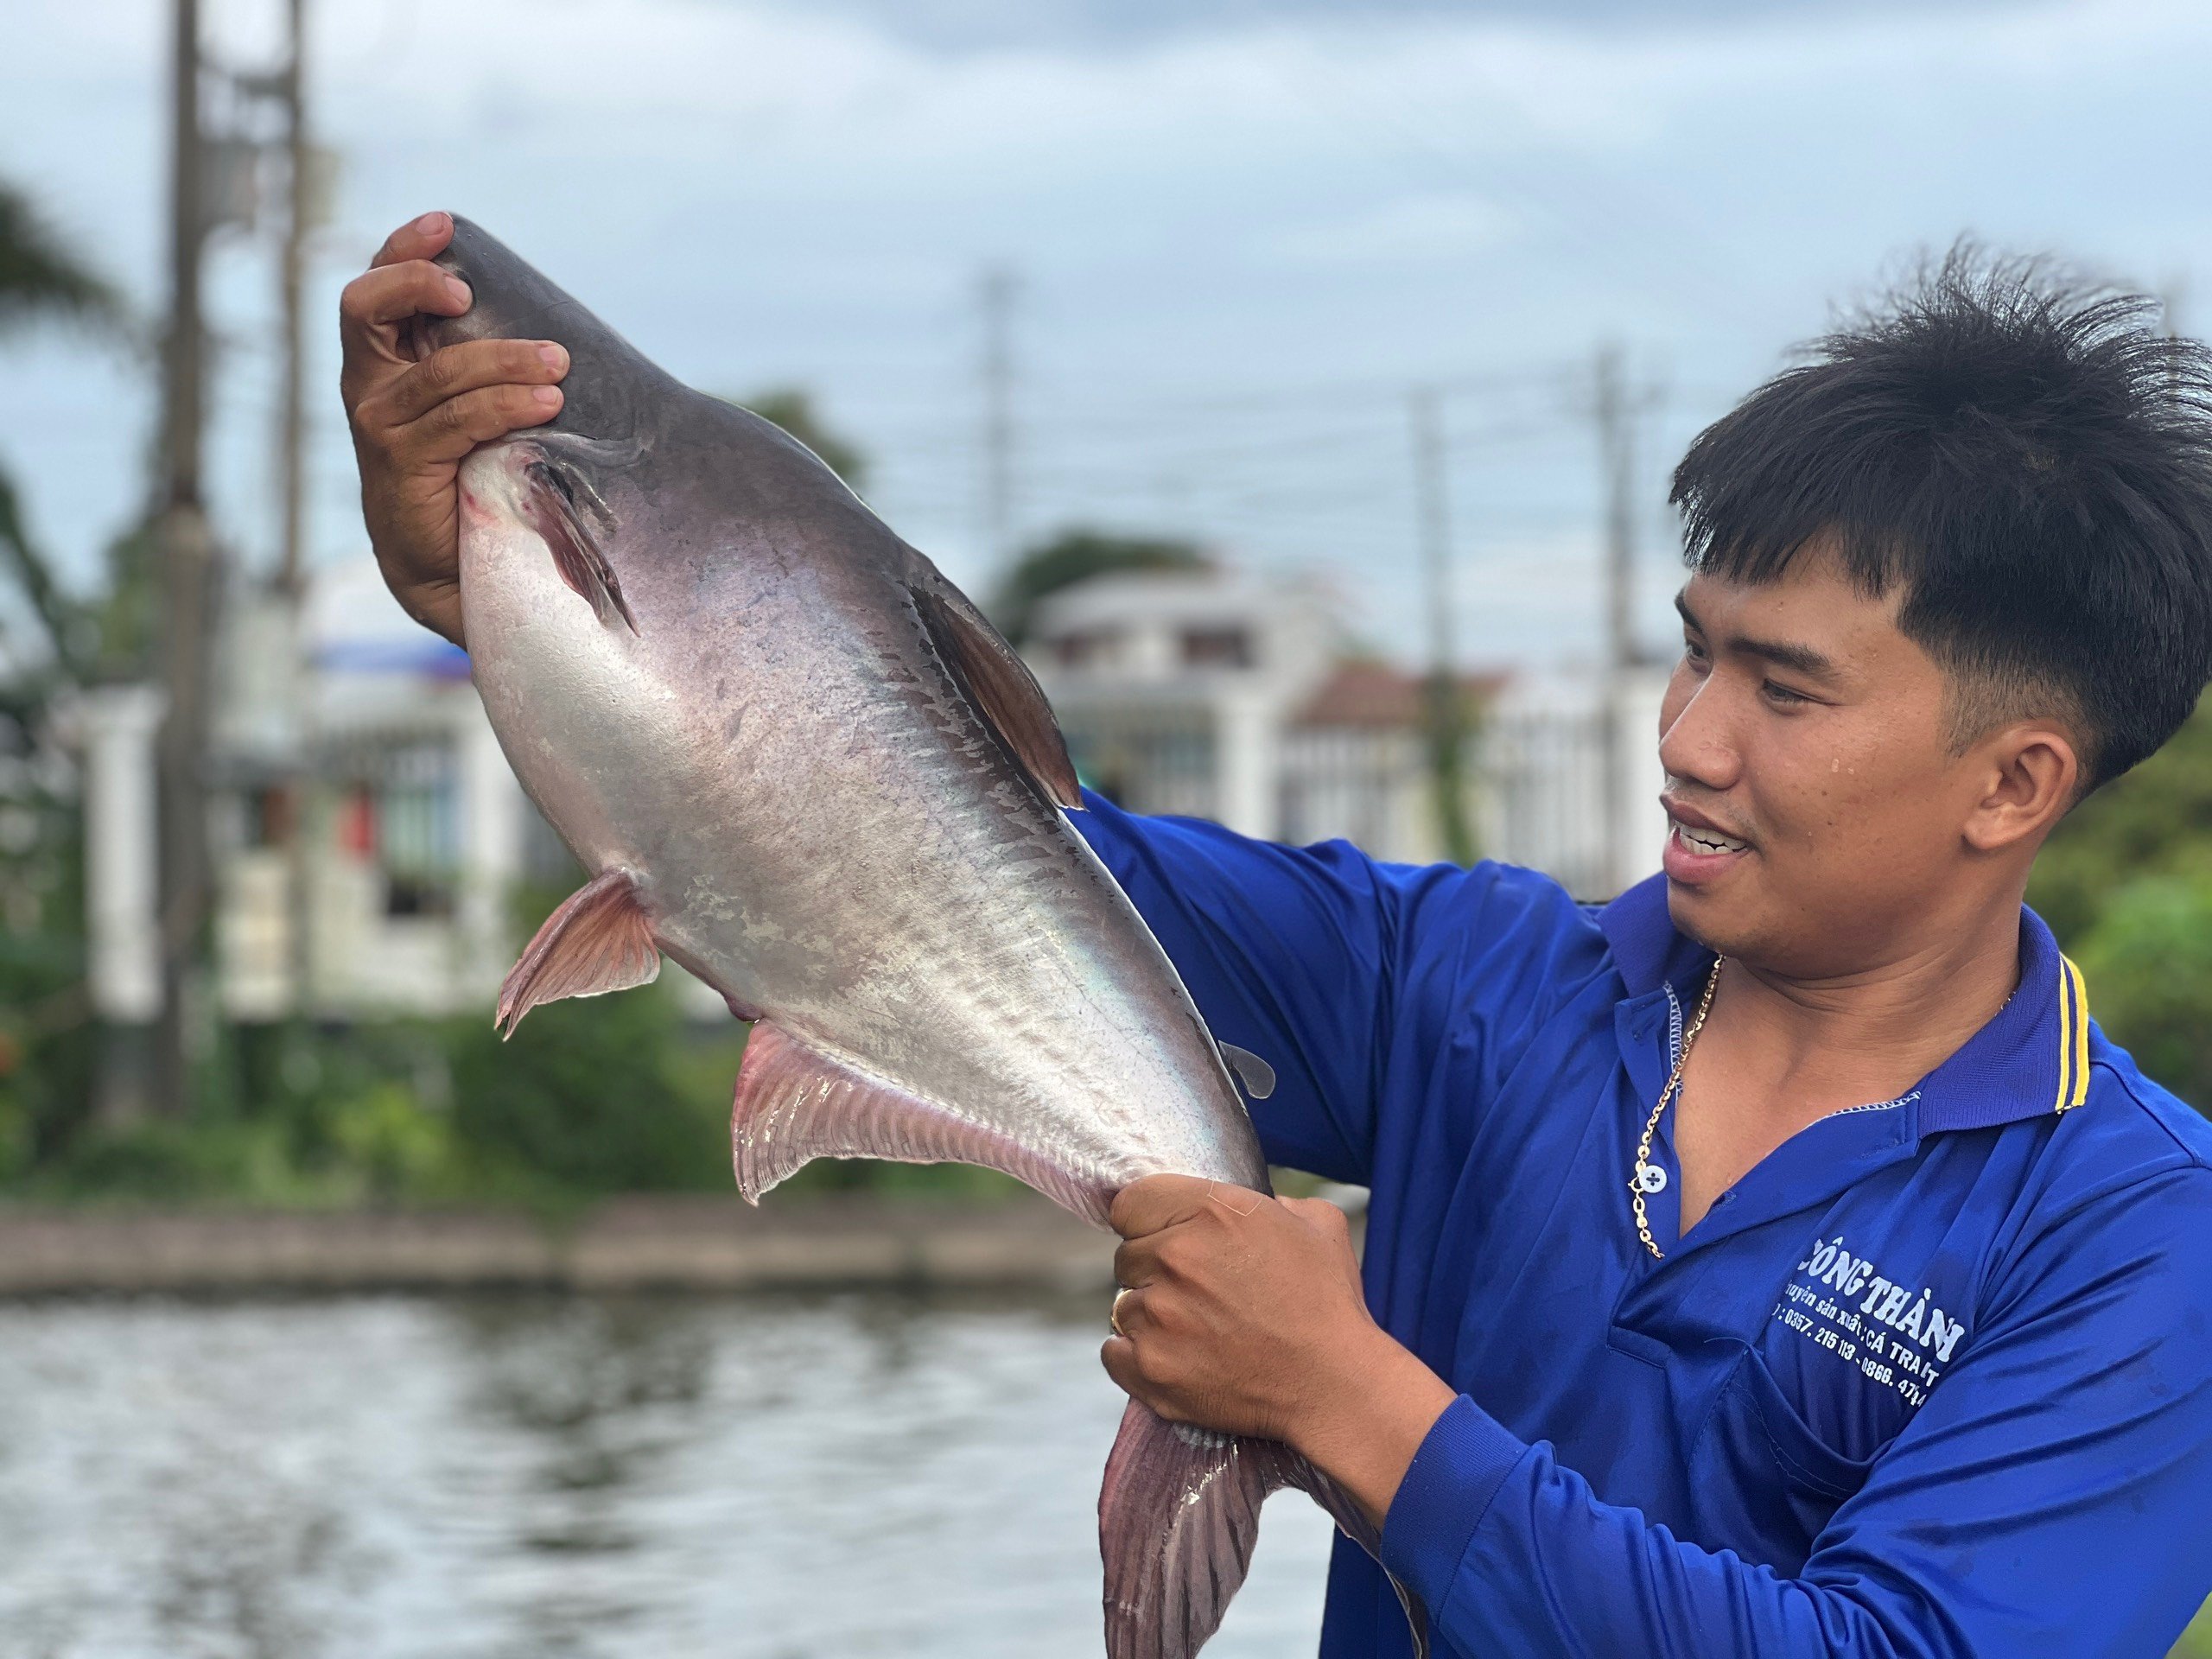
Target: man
[(1777, 1260)]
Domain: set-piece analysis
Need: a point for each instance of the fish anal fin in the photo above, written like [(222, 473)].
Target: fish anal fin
[(1002, 689), (598, 940), (795, 1103), (1179, 1512)]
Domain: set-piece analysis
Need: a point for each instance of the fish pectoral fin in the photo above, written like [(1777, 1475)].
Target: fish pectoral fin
[(795, 1103), (1179, 1512), (1001, 688), (1255, 1073), (598, 940), (564, 523)]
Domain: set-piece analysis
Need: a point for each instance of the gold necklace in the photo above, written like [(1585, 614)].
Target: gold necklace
[(1648, 1176)]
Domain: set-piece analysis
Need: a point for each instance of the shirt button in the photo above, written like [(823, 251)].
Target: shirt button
[(1650, 1180)]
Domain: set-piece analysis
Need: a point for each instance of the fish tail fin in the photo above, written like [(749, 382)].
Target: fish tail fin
[(1177, 1515)]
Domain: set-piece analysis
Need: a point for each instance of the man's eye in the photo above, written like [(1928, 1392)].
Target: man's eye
[(1692, 650), (1782, 694)]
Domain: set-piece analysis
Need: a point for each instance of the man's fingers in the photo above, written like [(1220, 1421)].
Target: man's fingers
[(459, 424), (1319, 1212), (469, 367), (1136, 1263), (417, 239), (1157, 1201), (382, 296), (1119, 1356)]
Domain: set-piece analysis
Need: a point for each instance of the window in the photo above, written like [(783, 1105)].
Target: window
[(1216, 648)]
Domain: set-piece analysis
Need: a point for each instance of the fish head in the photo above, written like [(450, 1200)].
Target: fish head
[(637, 470), (614, 394)]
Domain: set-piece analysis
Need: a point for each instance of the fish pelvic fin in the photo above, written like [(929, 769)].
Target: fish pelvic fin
[(1255, 1073), (598, 940), (795, 1103), (561, 507), (1178, 1515), (1000, 687)]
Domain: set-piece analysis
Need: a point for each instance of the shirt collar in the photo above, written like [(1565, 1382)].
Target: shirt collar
[(2030, 1058)]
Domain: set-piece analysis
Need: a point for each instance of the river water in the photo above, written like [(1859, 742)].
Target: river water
[(414, 1478)]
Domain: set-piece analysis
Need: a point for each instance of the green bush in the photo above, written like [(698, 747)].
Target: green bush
[(586, 1098), (2156, 821), (2148, 963)]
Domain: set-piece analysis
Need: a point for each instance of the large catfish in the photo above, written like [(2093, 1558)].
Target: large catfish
[(796, 759)]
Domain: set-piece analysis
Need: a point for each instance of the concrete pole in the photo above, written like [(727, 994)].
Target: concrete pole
[(1618, 460), (122, 885), (187, 567), (1247, 763), (493, 815), (291, 470)]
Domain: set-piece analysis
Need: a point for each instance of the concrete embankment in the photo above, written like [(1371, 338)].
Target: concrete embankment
[(625, 1244)]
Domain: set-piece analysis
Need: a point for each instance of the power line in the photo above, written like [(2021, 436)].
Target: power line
[(995, 294), (1446, 710)]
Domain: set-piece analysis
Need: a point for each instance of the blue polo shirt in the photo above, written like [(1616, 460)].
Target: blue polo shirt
[(1934, 1378)]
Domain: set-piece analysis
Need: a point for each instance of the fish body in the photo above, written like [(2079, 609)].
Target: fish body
[(796, 759)]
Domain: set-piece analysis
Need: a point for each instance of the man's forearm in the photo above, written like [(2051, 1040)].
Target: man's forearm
[(1374, 1406)]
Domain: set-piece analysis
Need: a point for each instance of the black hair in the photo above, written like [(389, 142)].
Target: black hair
[(2027, 459)]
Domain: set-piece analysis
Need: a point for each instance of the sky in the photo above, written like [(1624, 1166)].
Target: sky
[(1240, 233)]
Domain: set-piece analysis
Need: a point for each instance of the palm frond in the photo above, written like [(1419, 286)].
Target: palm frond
[(41, 277)]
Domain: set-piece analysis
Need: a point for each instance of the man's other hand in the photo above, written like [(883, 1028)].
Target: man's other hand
[(414, 423), (1244, 1313)]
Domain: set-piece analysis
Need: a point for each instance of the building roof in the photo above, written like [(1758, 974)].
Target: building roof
[(1374, 695)]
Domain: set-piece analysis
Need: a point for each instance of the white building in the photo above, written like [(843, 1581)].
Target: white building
[(1213, 693), (1210, 693), (418, 835)]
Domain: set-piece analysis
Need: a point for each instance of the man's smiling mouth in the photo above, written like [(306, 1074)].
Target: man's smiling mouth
[(1708, 841)]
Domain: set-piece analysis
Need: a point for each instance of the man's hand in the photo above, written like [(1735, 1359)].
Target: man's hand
[(1244, 1313), (413, 423)]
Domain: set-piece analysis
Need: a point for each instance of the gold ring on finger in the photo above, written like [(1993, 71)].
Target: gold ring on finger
[(1114, 1313)]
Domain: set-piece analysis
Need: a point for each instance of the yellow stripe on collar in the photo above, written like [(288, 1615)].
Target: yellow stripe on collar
[(2073, 1036)]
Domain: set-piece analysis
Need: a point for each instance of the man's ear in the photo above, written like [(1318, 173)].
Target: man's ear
[(2033, 773)]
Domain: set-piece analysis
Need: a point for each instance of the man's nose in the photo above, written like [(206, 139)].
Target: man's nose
[(1695, 741)]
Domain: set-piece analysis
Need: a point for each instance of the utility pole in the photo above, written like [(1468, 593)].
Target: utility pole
[(1447, 700), (187, 556), (996, 293), (291, 470), (291, 415), (1616, 411)]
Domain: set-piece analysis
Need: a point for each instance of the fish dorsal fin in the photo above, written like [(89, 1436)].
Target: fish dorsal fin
[(1255, 1073), (999, 683), (796, 1103), (598, 941)]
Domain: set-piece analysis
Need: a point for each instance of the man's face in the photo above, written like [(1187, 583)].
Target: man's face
[(1816, 808)]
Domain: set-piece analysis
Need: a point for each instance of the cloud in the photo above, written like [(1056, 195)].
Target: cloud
[(1208, 197), (1410, 230)]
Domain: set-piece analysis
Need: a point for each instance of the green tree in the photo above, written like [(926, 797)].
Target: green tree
[(2156, 821), (42, 281), (2148, 964), (45, 1038), (1077, 555), (2126, 882)]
